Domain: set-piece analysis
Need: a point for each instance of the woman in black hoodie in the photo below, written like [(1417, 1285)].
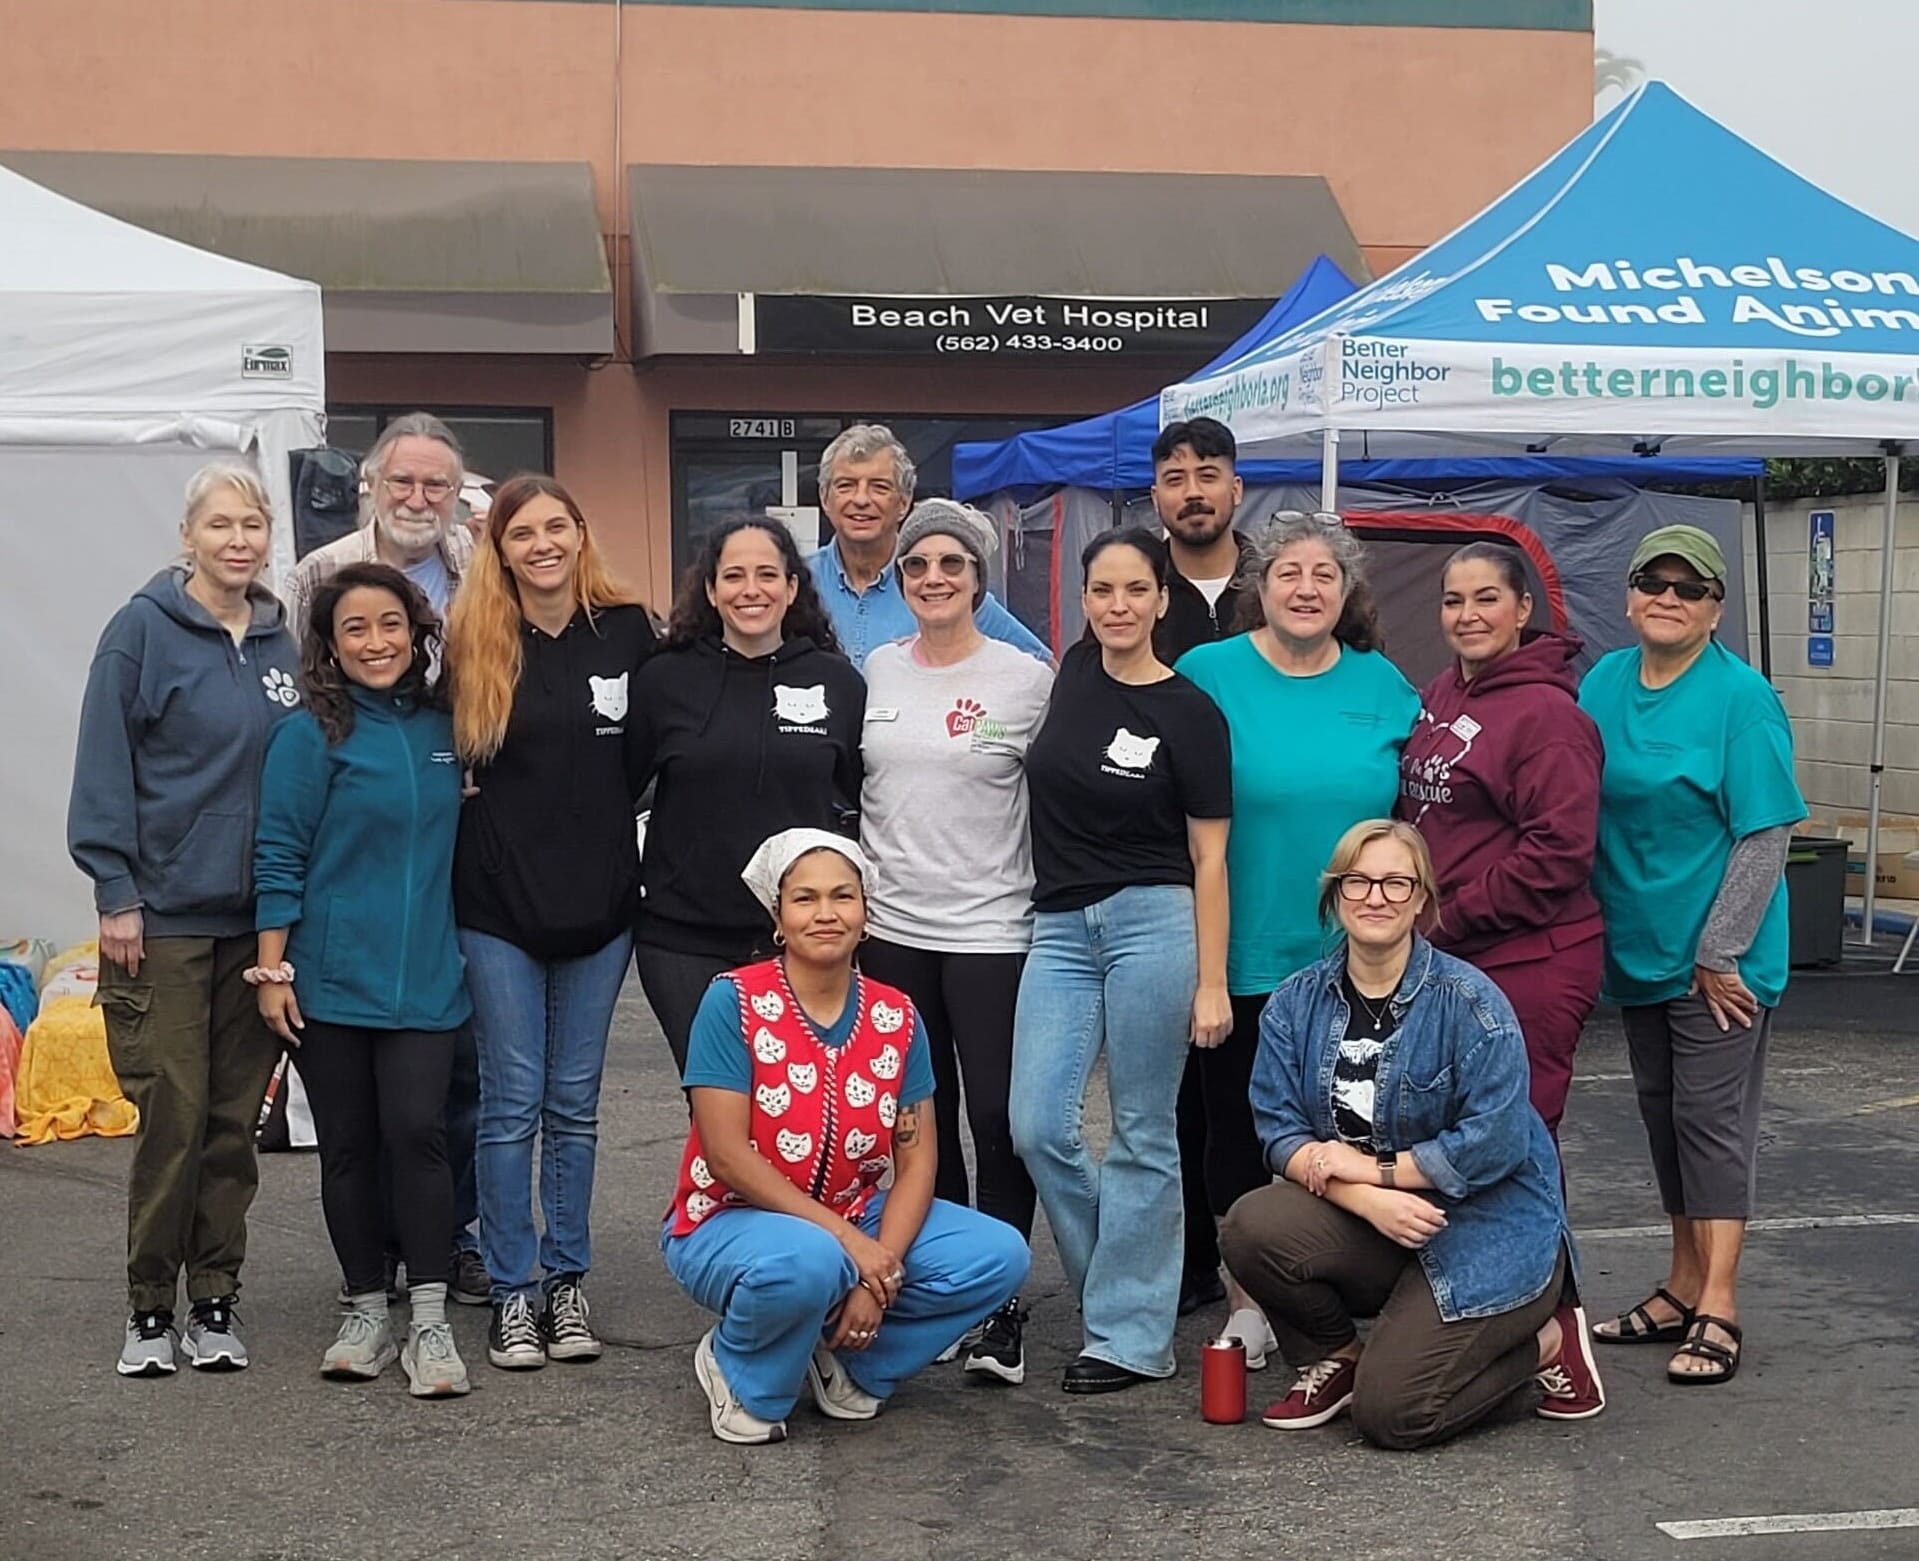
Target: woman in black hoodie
[(748, 722)]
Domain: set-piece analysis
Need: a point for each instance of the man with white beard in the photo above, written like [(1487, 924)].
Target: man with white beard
[(412, 479), (409, 519)]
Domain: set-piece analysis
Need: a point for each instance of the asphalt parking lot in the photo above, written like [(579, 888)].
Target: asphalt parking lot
[(614, 1460)]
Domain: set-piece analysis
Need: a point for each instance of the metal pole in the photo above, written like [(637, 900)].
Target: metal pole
[(1765, 593), (1881, 678), (1329, 471)]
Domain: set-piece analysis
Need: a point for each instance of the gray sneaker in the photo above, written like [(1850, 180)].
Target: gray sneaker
[(432, 1365), (148, 1351), (363, 1350), (212, 1341)]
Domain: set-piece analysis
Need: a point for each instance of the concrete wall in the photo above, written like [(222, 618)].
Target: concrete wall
[(1831, 707)]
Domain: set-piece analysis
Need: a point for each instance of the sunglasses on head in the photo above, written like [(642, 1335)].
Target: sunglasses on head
[(952, 565), (1650, 584)]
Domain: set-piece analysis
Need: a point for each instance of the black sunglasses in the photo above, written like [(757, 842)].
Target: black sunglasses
[(1650, 584)]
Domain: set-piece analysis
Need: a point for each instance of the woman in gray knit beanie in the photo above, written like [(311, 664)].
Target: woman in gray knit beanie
[(973, 531)]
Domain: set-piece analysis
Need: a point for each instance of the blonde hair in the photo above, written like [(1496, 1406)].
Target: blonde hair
[(1347, 853), (483, 628), (214, 476)]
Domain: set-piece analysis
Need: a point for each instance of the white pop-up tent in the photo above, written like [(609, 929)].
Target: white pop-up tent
[(1658, 286), (126, 361)]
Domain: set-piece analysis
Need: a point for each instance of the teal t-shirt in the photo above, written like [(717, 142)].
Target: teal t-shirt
[(1312, 756), (1690, 769)]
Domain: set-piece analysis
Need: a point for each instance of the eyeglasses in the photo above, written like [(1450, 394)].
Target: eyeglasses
[(434, 488), (952, 565), (1357, 888), (1686, 590)]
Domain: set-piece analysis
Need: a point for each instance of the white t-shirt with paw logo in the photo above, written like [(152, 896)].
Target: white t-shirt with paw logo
[(943, 808)]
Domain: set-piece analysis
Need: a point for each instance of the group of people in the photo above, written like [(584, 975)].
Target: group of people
[(1334, 937)]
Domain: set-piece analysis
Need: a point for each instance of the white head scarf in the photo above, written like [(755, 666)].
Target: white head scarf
[(777, 855)]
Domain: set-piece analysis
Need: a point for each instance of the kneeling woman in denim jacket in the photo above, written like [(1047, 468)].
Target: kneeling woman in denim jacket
[(1421, 1188)]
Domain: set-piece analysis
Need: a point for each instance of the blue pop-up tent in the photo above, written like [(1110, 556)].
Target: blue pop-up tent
[(1113, 451), (1659, 284)]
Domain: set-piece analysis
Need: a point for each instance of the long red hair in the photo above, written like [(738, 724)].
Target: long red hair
[(483, 628)]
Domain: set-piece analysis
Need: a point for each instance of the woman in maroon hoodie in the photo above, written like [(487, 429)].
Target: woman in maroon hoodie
[(1501, 776)]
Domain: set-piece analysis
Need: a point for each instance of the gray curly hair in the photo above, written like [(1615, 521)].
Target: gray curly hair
[(1358, 624), (862, 442)]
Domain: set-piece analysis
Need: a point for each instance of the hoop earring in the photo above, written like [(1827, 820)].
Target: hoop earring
[(865, 933), (779, 939)]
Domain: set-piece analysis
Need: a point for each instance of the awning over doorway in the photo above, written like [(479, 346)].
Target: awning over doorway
[(411, 256), (708, 241)]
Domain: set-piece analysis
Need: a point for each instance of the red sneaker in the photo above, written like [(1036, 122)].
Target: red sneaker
[(1571, 1382), (1322, 1391)]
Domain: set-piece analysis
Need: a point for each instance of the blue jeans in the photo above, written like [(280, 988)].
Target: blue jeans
[(540, 1027), (774, 1279), (1119, 974)]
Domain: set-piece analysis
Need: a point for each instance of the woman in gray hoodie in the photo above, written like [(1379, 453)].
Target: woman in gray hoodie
[(189, 679)]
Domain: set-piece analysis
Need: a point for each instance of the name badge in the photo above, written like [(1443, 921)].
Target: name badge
[(881, 713)]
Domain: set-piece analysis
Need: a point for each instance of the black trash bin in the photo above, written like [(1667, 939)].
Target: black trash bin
[(1816, 890)]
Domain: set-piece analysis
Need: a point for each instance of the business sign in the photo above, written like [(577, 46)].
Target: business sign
[(1050, 329)]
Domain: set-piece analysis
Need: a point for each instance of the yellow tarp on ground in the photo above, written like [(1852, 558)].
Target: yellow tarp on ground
[(66, 1087)]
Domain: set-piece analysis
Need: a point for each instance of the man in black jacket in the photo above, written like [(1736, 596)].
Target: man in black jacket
[(1196, 491)]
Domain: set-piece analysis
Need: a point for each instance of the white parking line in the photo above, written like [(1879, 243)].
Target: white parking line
[(1793, 1222), (1771, 1073), (1792, 1523)]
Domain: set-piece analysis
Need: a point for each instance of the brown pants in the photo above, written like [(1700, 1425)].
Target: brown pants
[(1313, 1268), (187, 1041)]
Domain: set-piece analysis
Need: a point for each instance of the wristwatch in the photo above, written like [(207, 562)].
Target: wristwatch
[(1388, 1162)]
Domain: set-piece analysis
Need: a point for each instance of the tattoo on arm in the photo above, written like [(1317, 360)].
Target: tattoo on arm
[(906, 1130)]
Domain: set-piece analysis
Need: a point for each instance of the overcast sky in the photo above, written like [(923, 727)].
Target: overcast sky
[(1825, 86)]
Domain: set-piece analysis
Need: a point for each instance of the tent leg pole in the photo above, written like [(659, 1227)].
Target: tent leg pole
[(1765, 592), (1881, 677), (1329, 471)]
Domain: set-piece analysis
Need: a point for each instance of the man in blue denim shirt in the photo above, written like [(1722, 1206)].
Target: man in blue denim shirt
[(1418, 1183), (866, 488)]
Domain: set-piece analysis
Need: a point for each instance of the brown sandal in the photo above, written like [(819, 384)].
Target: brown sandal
[(1638, 1327), (1724, 1358)]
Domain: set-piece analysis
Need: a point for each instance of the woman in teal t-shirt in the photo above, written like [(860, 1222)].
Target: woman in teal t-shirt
[(1696, 807), (1318, 717)]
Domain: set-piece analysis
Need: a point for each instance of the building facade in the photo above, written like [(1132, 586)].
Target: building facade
[(669, 249)]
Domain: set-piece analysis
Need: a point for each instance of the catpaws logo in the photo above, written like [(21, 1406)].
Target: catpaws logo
[(1130, 752), (965, 715), (609, 696), (281, 689)]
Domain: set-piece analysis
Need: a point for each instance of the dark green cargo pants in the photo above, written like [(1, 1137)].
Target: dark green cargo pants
[(187, 1041)]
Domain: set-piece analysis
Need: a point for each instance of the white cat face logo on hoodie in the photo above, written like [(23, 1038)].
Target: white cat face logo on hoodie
[(800, 704), (609, 696)]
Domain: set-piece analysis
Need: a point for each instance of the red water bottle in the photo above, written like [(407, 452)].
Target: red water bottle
[(1222, 1381)]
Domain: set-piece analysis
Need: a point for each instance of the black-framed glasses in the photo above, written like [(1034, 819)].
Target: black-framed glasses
[(1395, 888), (1650, 584), (952, 565)]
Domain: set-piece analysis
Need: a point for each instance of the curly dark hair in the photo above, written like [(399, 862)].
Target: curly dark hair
[(696, 618), (325, 685), (1358, 624)]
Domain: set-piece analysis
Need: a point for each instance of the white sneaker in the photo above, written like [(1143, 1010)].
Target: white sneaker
[(432, 1365), (732, 1422), (363, 1349), (963, 1343), (837, 1394), (148, 1351), (1249, 1326)]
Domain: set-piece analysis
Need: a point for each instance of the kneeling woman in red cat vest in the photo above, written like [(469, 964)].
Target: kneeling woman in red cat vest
[(809, 1082)]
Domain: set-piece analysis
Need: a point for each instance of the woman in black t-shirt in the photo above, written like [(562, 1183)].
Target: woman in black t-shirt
[(1131, 786)]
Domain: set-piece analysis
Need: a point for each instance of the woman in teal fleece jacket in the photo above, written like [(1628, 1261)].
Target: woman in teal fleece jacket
[(359, 965)]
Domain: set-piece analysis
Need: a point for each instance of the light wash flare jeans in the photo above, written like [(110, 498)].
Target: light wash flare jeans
[(540, 1028), (1119, 976)]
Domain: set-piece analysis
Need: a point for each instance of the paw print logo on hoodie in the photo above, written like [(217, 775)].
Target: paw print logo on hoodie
[(281, 689)]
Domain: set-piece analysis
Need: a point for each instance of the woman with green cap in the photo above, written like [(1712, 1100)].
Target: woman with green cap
[(1697, 804)]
